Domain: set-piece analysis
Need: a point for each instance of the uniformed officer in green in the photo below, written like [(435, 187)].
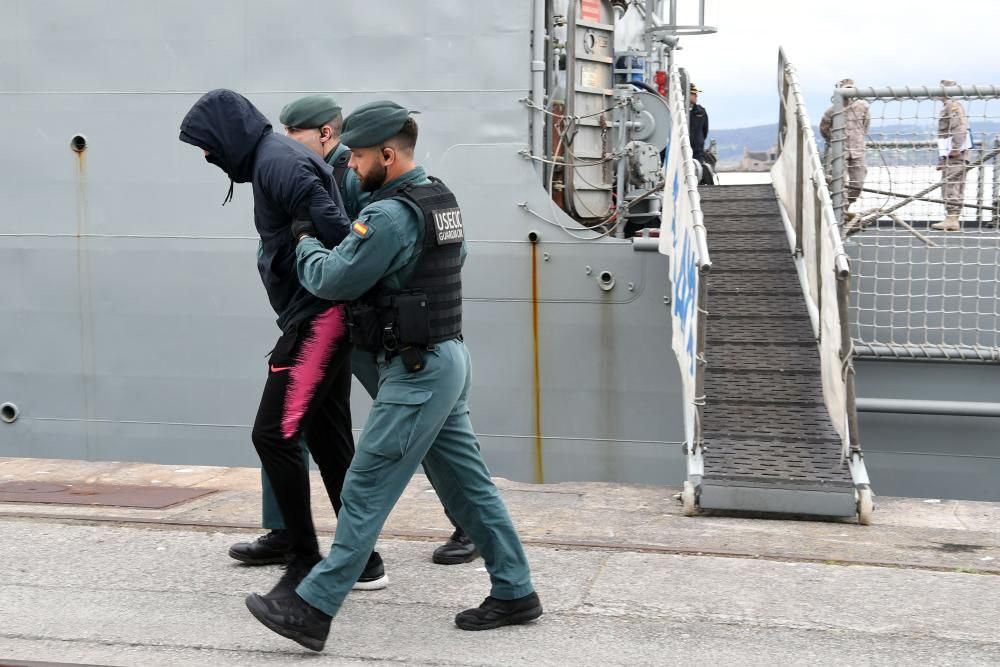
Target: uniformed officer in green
[(316, 122), (400, 267)]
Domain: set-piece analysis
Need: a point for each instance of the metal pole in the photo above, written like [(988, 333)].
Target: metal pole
[(932, 200), (996, 184), (800, 166), (818, 214), (647, 37), (837, 145), (915, 407), (938, 353), (702, 336), (846, 350), (922, 93), (622, 93), (538, 50), (980, 186), (782, 114)]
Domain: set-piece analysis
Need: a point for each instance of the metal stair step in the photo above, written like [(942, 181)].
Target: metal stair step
[(751, 260), (772, 460), (750, 329), (722, 386), (748, 241), (760, 304), (752, 281), (724, 207), (725, 224), (755, 191), (768, 420), (762, 357)]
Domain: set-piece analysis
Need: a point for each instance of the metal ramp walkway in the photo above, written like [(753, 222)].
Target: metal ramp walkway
[(770, 445)]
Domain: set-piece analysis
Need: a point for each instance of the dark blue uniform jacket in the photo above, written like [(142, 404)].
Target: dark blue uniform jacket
[(698, 126)]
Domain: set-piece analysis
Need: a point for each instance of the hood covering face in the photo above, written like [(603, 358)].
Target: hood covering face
[(229, 127)]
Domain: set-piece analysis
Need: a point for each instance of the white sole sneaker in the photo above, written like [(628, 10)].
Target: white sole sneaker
[(374, 585)]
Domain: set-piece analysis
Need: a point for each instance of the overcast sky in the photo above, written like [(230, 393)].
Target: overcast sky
[(875, 42)]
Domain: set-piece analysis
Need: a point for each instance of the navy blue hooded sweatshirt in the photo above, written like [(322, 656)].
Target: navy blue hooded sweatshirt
[(289, 182)]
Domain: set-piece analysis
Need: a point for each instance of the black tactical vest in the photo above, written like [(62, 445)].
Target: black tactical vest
[(435, 288)]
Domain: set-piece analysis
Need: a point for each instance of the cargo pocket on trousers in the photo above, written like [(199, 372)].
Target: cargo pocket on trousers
[(397, 419)]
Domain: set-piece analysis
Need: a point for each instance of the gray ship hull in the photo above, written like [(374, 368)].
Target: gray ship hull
[(135, 326)]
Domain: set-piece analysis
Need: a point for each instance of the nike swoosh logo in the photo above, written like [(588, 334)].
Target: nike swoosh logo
[(278, 369)]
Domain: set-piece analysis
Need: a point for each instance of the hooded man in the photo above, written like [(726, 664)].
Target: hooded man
[(307, 390)]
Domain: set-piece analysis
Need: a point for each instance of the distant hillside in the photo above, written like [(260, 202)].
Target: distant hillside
[(761, 137), (731, 143)]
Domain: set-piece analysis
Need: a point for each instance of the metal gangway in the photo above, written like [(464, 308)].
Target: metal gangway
[(772, 407)]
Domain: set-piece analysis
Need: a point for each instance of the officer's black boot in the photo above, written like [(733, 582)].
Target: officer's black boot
[(292, 617), (493, 613), (458, 549), (275, 547)]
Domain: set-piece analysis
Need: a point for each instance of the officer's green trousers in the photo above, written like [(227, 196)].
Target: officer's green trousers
[(422, 416), (366, 370)]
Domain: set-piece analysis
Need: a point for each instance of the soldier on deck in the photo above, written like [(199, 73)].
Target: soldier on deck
[(953, 127), (857, 119), (400, 270)]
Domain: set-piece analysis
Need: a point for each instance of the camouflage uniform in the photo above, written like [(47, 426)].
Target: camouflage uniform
[(953, 124), (857, 120)]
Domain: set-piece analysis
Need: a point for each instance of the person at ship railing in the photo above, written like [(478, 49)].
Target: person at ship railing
[(307, 388), (954, 143), (400, 267), (698, 133), (857, 120), (316, 121)]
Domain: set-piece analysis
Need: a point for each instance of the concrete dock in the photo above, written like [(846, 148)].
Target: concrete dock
[(625, 579)]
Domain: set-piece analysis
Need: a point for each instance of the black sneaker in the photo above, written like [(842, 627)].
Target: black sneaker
[(275, 547), (295, 571), (458, 549), (373, 578), (493, 613), (292, 617)]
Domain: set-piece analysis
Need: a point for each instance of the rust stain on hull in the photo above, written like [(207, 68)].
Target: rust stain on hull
[(539, 461)]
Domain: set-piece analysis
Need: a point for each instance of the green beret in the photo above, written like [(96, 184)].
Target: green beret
[(309, 112), (371, 124)]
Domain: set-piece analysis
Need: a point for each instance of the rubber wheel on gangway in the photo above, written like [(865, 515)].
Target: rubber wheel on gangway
[(689, 500), (866, 505)]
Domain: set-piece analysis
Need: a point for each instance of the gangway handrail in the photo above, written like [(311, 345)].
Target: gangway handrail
[(682, 219), (821, 257)]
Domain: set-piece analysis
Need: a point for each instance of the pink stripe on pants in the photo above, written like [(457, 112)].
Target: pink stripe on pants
[(306, 373)]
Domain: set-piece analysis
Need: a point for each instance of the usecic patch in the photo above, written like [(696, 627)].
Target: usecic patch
[(362, 229), (448, 225)]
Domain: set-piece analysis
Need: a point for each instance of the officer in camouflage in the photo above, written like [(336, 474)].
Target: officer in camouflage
[(857, 121), (316, 122), (953, 126), (400, 267)]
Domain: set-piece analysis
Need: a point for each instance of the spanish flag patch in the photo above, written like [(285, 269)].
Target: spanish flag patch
[(361, 229)]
